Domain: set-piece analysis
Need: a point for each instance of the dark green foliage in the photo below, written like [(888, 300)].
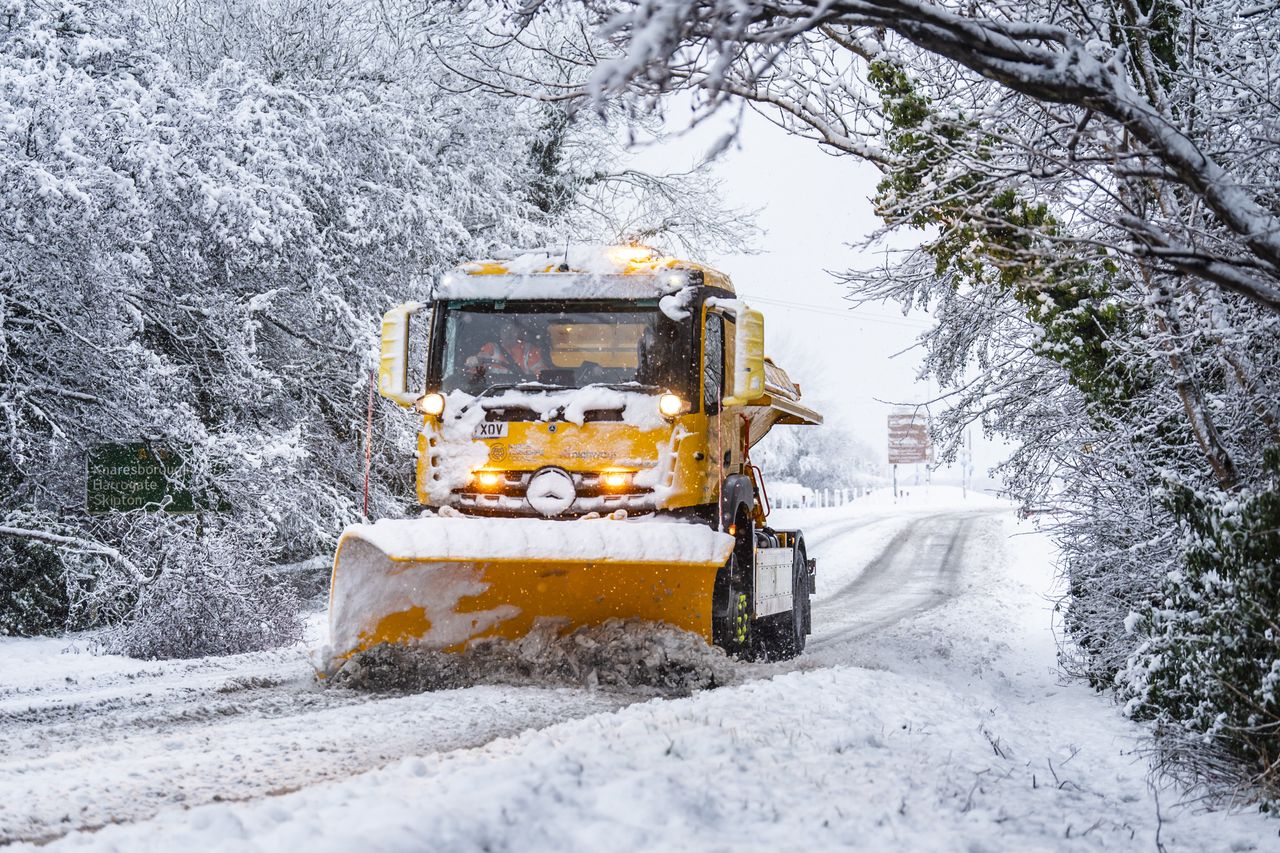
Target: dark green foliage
[(993, 237), (552, 187), (1211, 665), (1157, 30), (33, 595)]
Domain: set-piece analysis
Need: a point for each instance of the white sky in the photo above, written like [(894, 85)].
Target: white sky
[(812, 206)]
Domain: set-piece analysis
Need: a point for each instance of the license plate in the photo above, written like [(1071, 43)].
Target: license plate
[(486, 430)]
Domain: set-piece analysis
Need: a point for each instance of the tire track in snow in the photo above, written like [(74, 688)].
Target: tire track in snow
[(916, 571), (80, 756), (819, 535)]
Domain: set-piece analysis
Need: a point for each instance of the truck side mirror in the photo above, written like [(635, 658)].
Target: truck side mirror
[(748, 358), (393, 368)]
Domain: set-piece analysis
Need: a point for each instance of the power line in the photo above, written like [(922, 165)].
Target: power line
[(837, 312), (846, 314)]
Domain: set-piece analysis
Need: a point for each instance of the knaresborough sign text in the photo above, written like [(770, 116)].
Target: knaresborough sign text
[(138, 476)]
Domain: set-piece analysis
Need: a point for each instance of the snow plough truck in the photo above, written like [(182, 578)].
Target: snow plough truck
[(588, 416)]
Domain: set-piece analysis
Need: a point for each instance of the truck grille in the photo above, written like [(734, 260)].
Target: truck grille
[(521, 414)]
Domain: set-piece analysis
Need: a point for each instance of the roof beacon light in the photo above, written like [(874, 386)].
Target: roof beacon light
[(674, 280), (628, 255)]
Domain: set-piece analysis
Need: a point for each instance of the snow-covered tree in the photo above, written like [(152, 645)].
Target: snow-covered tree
[(825, 457), (203, 211)]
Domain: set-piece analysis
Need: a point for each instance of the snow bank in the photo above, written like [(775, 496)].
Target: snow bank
[(841, 758), (86, 752), (931, 498), (25, 662), (950, 730), (912, 501)]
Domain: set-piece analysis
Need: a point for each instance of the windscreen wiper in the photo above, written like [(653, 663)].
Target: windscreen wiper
[(521, 386)]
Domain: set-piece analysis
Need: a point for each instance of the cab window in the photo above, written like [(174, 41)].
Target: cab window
[(712, 364)]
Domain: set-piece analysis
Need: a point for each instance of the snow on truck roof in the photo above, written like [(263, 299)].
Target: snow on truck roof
[(577, 272)]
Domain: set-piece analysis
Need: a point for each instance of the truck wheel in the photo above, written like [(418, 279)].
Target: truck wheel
[(731, 625), (740, 624), (800, 605)]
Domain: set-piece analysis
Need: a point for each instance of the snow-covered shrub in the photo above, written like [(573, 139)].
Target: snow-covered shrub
[(141, 223), (1114, 375), (1116, 539), (210, 595), (1209, 669), (1112, 567)]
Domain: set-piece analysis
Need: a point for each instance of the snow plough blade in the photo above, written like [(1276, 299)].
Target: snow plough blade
[(442, 583)]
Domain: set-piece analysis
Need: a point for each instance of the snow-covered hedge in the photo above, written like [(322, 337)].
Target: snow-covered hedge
[(1209, 668)]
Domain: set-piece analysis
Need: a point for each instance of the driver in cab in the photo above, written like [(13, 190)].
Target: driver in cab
[(513, 355)]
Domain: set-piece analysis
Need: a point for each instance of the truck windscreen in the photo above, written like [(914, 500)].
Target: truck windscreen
[(569, 346)]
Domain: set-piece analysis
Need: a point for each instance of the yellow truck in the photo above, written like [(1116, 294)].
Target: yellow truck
[(587, 416)]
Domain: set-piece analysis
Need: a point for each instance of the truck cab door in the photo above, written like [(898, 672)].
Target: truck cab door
[(723, 437)]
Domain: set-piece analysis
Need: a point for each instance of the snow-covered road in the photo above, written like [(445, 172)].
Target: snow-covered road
[(119, 741), (926, 714), (917, 570)]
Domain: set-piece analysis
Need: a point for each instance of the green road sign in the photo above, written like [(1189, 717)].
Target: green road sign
[(125, 477)]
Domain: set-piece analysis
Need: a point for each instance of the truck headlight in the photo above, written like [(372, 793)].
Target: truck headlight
[(670, 405), (431, 404), (674, 280)]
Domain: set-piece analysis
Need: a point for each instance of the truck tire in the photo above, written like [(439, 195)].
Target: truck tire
[(801, 609), (732, 627)]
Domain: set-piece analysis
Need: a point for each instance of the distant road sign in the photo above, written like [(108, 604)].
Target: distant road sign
[(909, 439), (139, 475)]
